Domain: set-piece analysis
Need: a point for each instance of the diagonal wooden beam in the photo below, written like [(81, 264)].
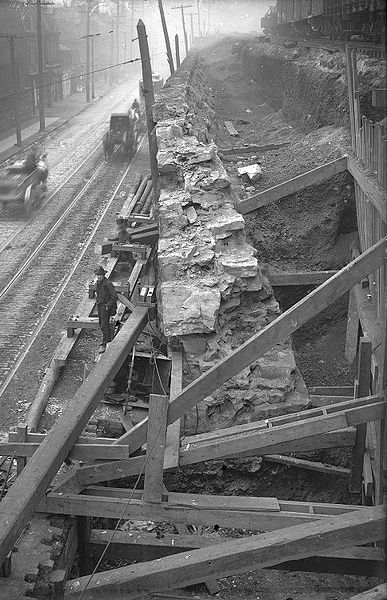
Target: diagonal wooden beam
[(376, 593), (29, 488), (119, 469), (280, 329), (291, 186), (236, 556)]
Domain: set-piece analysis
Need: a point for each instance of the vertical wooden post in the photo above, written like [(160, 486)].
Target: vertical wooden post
[(166, 37), (15, 89), (149, 100), (22, 431), (352, 333), (184, 30), (192, 29), (364, 381), (177, 50), (83, 531), (172, 449), (198, 9), (155, 448), (111, 32), (40, 65), (351, 97)]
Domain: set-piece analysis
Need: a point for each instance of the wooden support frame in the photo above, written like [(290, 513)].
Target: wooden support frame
[(364, 561), (352, 332), (22, 498), (292, 278), (376, 593), (119, 469), (260, 514), (363, 389), (155, 448), (257, 345), (172, 450), (236, 556), (296, 184)]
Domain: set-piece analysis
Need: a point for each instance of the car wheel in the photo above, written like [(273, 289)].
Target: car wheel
[(30, 200)]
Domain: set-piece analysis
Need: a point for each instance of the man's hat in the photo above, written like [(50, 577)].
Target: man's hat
[(99, 271)]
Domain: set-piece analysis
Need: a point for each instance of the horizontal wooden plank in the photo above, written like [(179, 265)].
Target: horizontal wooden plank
[(236, 556), (37, 438), (83, 452), (369, 185), (85, 322), (327, 400), (289, 278), (281, 328), (332, 390), (119, 508), (313, 177), (206, 501), (290, 461), (230, 128)]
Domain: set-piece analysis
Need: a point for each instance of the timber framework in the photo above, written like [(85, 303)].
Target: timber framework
[(298, 535)]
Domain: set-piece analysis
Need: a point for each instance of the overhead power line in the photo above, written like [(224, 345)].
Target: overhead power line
[(6, 97)]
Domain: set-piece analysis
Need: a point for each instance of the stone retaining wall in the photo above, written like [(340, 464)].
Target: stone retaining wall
[(213, 294)]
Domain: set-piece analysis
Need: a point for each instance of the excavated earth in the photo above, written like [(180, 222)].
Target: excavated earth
[(311, 230)]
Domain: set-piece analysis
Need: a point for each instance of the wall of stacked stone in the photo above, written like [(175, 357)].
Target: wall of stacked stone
[(213, 294)]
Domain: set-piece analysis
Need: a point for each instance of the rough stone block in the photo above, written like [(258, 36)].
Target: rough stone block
[(188, 309), (207, 176), (225, 222)]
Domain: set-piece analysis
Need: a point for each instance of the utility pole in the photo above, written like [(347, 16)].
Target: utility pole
[(192, 30), (118, 39), (147, 83), (111, 56), (182, 7), (87, 39), (15, 84), (40, 65), (177, 50), (92, 63), (199, 28), (131, 29), (166, 36), (209, 18)]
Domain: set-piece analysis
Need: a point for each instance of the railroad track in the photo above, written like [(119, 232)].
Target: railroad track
[(371, 50), (29, 297), (12, 221)]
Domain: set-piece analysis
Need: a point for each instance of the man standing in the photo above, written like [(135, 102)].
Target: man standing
[(106, 305)]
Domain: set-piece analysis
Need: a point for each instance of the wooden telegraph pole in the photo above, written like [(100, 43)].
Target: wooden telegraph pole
[(166, 36), (87, 40), (40, 65), (15, 84), (199, 28), (182, 7), (177, 50), (147, 83)]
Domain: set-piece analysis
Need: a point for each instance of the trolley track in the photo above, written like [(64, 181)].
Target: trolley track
[(29, 300)]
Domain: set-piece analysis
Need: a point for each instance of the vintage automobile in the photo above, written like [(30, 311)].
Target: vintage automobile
[(24, 186), (122, 135)]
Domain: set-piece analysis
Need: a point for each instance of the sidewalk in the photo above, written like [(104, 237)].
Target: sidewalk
[(56, 115)]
